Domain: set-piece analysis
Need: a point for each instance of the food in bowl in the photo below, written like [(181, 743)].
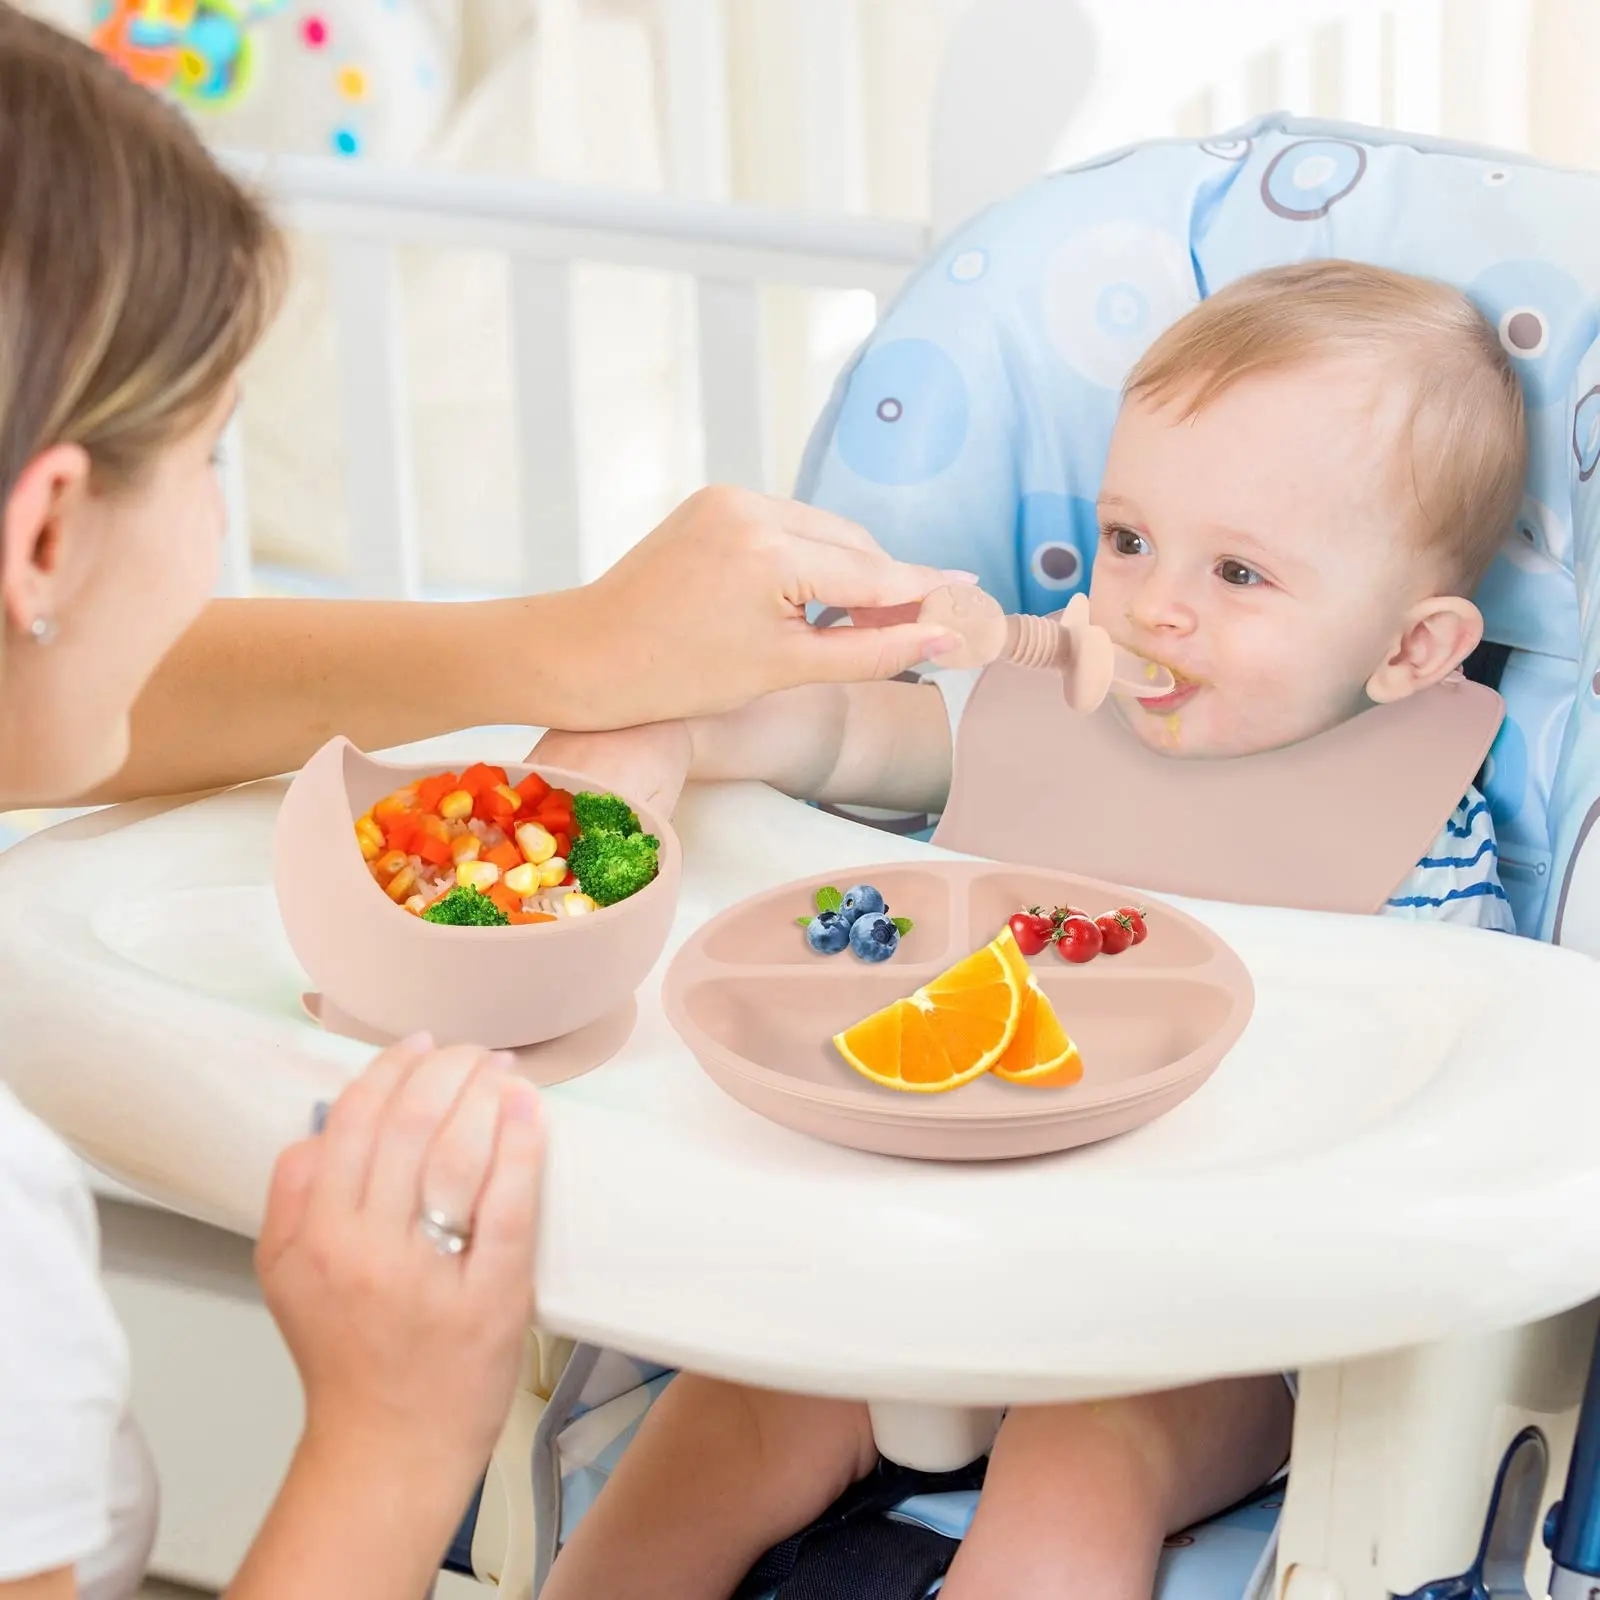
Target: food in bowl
[(470, 849)]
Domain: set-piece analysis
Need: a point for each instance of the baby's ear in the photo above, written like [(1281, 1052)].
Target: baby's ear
[(1436, 636)]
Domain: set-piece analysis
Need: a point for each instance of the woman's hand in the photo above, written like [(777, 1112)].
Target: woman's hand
[(409, 1355), (708, 612), (647, 765)]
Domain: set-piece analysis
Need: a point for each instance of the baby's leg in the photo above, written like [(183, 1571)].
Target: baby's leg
[(1079, 1497), (717, 1475)]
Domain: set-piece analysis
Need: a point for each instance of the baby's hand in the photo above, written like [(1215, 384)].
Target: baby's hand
[(647, 765)]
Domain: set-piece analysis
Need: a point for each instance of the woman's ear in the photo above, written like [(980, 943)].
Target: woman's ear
[(1436, 636), (35, 536)]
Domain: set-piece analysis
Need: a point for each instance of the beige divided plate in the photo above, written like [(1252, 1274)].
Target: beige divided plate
[(759, 1008)]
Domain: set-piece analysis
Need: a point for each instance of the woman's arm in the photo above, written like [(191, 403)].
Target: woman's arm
[(706, 613)]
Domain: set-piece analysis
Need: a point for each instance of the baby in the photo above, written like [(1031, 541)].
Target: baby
[(1308, 475)]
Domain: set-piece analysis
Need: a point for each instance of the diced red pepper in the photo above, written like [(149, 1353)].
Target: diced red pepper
[(570, 879), (432, 790), (505, 856), (533, 789)]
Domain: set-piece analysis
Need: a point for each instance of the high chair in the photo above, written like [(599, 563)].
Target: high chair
[(1380, 1187)]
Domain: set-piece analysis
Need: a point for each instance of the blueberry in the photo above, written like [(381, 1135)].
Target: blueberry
[(861, 901), (828, 933), (873, 936)]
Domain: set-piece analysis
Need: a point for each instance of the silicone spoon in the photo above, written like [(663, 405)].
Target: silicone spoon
[(1091, 665)]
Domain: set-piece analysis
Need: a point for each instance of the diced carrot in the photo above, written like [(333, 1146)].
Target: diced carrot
[(434, 827), (570, 879), (479, 777), (400, 832), (432, 790), (563, 844), (505, 856), (505, 899), (521, 918), (553, 818), (436, 852), (561, 797), (493, 807), (533, 789)]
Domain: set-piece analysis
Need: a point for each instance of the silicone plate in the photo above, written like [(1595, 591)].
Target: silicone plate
[(759, 1009)]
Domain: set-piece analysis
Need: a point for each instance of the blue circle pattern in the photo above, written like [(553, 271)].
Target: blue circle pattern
[(904, 417), (1549, 323), (1057, 535), (1337, 165), (956, 403)]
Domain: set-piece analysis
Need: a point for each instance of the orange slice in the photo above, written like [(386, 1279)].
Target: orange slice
[(1040, 1054), (949, 1032)]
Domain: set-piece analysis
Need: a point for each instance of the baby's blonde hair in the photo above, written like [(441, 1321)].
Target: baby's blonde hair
[(1467, 434)]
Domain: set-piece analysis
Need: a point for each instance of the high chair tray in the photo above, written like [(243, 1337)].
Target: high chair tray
[(760, 1009), (1395, 1150)]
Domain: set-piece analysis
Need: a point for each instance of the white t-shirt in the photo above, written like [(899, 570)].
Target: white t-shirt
[(76, 1485), (1458, 880)]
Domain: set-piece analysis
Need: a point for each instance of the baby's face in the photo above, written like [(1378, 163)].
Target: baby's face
[(1261, 551)]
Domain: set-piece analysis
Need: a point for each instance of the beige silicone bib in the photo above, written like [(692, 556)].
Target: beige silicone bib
[(1333, 823)]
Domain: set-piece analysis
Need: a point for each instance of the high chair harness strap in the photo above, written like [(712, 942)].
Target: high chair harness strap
[(853, 1551)]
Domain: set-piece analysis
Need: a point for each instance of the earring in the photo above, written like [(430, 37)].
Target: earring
[(42, 630)]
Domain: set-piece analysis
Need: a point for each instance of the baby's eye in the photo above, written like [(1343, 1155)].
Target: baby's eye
[(1126, 542), (1238, 574)]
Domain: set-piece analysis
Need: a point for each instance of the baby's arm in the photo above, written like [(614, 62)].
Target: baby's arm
[(876, 744)]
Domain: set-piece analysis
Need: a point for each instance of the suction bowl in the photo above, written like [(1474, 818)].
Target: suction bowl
[(396, 974), (759, 1009)]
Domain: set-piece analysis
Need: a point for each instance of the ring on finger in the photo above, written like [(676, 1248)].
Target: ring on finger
[(447, 1237)]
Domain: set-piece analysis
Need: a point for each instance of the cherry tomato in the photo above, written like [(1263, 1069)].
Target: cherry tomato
[(1115, 933), (1078, 939), (1135, 921), (1031, 931)]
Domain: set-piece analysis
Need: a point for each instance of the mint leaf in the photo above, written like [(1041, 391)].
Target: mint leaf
[(902, 925), (802, 922), (829, 899)]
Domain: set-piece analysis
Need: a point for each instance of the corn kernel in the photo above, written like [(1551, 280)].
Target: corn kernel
[(478, 874), (392, 804), (506, 792), (553, 872), (371, 837), (402, 884), (417, 904), (576, 904), (387, 866), (537, 845), (523, 880), (456, 806), (465, 847)]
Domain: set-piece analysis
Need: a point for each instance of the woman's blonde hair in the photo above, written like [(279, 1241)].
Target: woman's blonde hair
[(1466, 437), (135, 275)]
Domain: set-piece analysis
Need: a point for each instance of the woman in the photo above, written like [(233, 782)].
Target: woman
[(397, 1248)]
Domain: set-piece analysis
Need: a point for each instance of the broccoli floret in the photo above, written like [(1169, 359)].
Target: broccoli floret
[(614, 867), (466, 908), (603, 813)]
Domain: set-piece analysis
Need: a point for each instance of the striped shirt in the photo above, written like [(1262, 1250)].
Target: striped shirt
[(1459, 878)]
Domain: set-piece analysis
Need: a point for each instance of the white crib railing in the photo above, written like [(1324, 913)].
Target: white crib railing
[(366, 215)]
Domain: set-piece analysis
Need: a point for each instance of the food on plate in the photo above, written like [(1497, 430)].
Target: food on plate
[(1078, 939), (986, 1014), (857, 920), (1109, 934), (950, 1031), (470, 849)]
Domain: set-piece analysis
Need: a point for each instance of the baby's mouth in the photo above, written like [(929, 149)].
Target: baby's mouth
[(1183, 690)]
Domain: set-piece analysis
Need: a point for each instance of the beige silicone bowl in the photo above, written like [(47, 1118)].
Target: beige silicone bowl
[(759, 1008), (496, 987)]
